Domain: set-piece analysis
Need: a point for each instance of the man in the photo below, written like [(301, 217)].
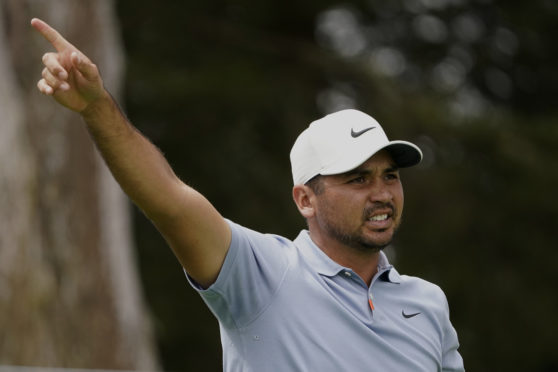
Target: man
[(327, 301)]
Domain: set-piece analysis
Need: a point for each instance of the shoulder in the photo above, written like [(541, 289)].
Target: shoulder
[(252, 253), (253, 271), (243, 236), (429, 293), (420, 284)]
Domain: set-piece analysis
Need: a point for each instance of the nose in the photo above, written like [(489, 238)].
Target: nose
[(379, 192)]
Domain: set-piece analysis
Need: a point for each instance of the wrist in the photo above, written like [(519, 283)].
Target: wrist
[(104, 119), (98, 107)]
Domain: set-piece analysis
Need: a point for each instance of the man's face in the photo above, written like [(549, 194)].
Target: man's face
[(361, 208)]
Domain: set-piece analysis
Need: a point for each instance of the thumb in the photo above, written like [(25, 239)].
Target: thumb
[(87, 68)]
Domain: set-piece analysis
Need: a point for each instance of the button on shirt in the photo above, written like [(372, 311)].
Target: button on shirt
[(286, 306)]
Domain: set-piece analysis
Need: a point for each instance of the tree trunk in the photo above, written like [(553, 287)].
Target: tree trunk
[(69, 291)]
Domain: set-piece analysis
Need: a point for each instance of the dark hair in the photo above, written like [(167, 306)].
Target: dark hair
[(315, 183)]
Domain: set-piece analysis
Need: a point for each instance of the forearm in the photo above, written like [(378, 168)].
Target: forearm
[(137, 164), (195, 230)]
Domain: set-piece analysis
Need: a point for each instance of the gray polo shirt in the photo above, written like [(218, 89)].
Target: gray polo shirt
[(286, 306)]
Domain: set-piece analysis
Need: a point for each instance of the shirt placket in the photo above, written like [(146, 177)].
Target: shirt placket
[(370, 291), (350, 275)]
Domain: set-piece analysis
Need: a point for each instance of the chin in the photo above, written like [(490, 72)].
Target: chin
[(376, 244)]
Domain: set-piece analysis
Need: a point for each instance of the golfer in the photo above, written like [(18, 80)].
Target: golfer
[(327, 301)]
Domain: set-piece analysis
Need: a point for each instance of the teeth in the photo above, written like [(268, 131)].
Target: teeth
[(380, 217)]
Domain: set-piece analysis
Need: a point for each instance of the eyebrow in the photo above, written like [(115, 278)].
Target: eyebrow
[(392, 168), (363, 171)]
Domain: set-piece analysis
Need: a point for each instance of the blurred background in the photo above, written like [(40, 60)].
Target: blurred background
[(223, 88)]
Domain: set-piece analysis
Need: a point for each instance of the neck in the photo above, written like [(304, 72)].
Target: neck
[(361, 261)]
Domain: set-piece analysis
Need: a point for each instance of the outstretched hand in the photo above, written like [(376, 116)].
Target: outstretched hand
[(69, 76)]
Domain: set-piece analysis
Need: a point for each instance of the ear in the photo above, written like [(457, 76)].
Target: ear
[(303, 196)]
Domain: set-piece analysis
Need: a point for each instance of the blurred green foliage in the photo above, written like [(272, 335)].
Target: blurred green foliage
[(224, 88)]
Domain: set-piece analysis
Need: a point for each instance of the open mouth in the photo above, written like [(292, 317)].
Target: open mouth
[(379, 217), (380, 220)]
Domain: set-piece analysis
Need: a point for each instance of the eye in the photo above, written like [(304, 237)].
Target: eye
[(392, 176), (359, 179)]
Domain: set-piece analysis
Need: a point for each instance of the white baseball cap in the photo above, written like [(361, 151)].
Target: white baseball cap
[(340, 142)]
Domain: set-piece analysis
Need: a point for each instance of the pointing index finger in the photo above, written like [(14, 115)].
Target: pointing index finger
[(52, 36)]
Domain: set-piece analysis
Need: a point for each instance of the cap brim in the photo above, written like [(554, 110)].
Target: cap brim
[(405, 154)]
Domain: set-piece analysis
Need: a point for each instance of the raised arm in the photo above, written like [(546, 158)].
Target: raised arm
[(196, 232)]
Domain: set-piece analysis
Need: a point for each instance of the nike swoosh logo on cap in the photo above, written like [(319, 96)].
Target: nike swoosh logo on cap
[(409, 315), (360, 132)]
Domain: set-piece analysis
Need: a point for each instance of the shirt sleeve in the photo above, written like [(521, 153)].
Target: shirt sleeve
[(451, 359), (253, 270)]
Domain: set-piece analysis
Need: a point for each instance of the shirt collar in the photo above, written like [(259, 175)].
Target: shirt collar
[(326, 266)]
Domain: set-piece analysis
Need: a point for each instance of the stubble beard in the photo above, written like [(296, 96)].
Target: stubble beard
[(357, 239)]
